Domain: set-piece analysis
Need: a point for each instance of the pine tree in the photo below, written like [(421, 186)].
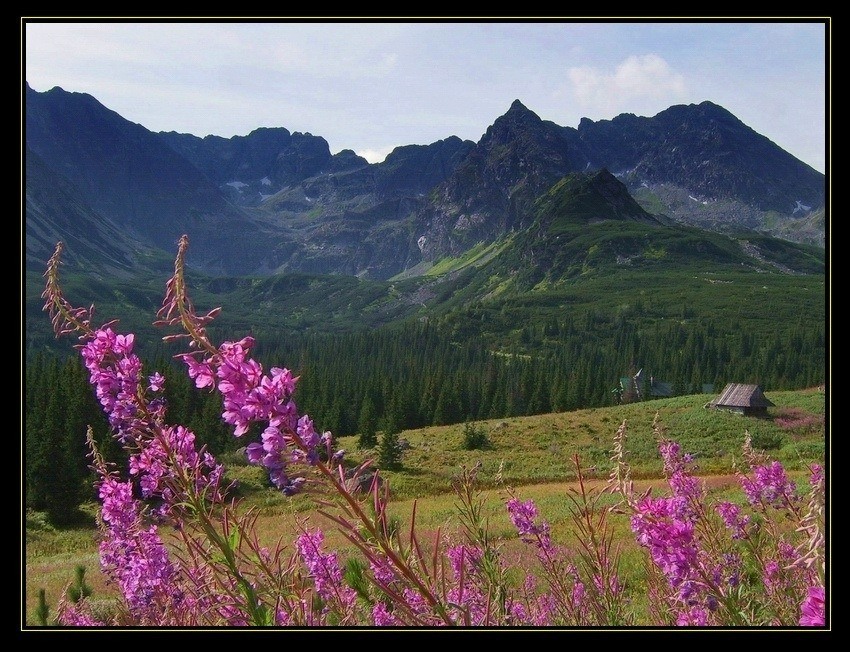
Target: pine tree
[(367, 423), (41, 374), (389, 446), (42, 611), (389, 450), (55, 469), (80, 589)]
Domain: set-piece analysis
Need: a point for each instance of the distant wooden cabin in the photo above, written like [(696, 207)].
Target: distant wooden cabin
[(748, 400), (660, 388)]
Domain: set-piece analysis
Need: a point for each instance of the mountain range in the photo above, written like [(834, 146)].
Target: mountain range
[(276, 201)]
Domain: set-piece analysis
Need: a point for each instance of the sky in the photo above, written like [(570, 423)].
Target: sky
[(373, 86)]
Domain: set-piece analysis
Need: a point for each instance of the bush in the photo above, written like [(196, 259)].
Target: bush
[(767, 441), (475, 437)]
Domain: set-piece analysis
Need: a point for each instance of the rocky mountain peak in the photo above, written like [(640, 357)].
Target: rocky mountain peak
[(591, 197), (517, 117)]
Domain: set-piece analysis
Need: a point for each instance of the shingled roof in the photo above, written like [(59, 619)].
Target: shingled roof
[(742, 396)]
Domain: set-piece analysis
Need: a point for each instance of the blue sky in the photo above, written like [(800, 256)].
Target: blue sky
[(373, 86)]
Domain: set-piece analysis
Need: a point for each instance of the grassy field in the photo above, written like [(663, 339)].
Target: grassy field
[(534, 456)]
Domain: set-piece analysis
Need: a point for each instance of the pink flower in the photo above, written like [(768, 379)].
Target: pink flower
[(324, 569), (812, 611), (382, 617), (523, 516), (770, 486), (73, 616), (695, 616), (734, 520), (156, 382), (124, 343), (200, 372)]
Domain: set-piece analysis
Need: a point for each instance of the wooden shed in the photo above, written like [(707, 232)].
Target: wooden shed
[(745, 399)]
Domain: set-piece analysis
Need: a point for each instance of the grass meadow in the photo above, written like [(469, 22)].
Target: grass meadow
[(532, 455)]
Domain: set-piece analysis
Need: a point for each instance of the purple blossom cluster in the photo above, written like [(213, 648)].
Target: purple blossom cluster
[(569, 598), (115, 373), (250, 396), (325, 572), (667, 528), (533, 608), (813, 609), (770, 487), (683, 484), (133, 555), (468, 602), (670, 539), (73, 616), (158, 452), (173, 450), (524, 515), (406, 603), (705, 576), (733, 518)]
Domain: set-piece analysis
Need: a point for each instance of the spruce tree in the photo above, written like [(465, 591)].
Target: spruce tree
[(389, 447), (40, 375), (389, 450), (55, 470), (367, 423)]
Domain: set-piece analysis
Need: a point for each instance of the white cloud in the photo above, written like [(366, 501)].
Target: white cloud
[(635, 80), (375, 155)]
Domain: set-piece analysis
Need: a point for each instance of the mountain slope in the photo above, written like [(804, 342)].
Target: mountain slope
[(559, 310), (587, 225), (707, 149), (127, 174), (253, 167), (56, 212), (518, 157), (696, 157)]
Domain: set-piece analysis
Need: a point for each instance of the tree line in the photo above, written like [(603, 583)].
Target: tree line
[(413, 375)]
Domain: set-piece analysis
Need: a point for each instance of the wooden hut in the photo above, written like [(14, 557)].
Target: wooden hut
[(748, 400)]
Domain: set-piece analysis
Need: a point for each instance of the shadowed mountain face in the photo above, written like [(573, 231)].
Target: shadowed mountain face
[(56, 212), (708, 151), (275, 201)]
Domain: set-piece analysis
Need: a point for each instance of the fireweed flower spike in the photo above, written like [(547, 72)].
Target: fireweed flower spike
[(132, 555), (163, 459), (64, 317), (724, 566), (666, 527), (288, 439), (326, 573), (248, 394)]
